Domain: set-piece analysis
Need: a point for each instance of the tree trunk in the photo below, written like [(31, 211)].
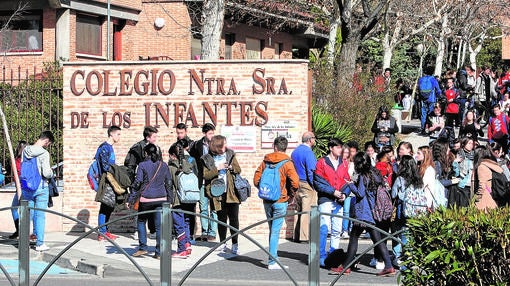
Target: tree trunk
[(333, 30), (387, 50), (441, 45), (347, 61), (212, 16), (440, 57), (459, 56)]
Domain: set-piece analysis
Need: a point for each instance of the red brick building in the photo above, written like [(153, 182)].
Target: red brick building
[(77, 30)]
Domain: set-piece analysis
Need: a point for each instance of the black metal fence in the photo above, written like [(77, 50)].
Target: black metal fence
[(165, 245), (32, 102)]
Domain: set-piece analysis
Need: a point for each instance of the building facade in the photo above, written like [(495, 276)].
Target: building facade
[(122, 30)]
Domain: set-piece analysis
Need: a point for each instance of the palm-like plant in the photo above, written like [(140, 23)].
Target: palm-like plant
[(325, 128)]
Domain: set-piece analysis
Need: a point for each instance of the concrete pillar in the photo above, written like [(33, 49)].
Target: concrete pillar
[(62, 35)]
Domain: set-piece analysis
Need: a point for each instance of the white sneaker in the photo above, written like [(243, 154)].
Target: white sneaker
[(344, 235), (42, 247), (379, 265), (235, 249), (152, 235), (276, 266), (223, 248)]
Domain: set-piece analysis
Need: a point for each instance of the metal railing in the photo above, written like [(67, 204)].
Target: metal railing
[(166, 239)]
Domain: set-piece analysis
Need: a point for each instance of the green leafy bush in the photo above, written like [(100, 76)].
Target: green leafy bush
[(325, 127), (458, 247)]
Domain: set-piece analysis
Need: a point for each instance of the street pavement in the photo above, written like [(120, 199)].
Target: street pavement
[(105, 264)]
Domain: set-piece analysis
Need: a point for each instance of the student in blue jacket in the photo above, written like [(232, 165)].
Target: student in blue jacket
[(364, 191)]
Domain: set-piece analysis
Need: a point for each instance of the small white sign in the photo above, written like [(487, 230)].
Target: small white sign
[(287, 129), (241, 139)]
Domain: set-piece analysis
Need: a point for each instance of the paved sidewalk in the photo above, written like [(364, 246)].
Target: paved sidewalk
[(249, 268)]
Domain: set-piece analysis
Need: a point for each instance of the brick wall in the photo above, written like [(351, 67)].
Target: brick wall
[(80, 143), (173, 40)]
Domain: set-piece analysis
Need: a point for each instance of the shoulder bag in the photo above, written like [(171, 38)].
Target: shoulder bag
[(136, 204)]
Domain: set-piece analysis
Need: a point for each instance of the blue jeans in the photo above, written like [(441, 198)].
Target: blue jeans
[(181, 230), (329, 223), (347, 208), (274, 210), (397, 247), (209, 227), (15, 203), (38, 199), (105, 212), (142, 227), (426, 109)]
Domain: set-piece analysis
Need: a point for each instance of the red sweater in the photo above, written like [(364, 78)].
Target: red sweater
[(498, 127)]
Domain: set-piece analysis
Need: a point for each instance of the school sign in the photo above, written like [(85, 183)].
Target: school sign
[(239, 97)]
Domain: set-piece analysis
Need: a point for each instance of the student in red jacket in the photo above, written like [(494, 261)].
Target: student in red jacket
[(497, 130), (331, 175)]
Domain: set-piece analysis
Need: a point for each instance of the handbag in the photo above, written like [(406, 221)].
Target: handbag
[(218, 187), (136, 204), (242, 187)]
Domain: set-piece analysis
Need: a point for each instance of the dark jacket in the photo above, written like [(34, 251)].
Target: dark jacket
[(365, 198), (134, 156), (470, 131), (211, 172), (161, 185), (197, 151), (326, 180), (393, 128)]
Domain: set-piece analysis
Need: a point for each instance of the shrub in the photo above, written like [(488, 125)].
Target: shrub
[(325, 128), (458, 247), (350, 108)]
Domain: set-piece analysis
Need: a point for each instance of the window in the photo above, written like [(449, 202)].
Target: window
[(253, 49), (88, 35), (23, 34), (278, 48), (230, 39), (196, 49)]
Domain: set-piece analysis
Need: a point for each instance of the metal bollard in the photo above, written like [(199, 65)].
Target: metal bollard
[(313, 256), (166, 245), (24, 244)]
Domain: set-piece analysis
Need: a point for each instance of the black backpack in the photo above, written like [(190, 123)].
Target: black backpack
[(500, 189)]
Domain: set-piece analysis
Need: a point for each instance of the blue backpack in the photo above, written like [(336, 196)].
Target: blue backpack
[(30, 177), (93, 175), (425, 87), (269, 185)]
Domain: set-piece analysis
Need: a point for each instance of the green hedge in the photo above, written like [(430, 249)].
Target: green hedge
[(458, 247)]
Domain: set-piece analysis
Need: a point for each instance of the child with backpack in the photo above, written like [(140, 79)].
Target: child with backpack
[(285, 181), (409, 196), (180, 167), (365, 193)]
